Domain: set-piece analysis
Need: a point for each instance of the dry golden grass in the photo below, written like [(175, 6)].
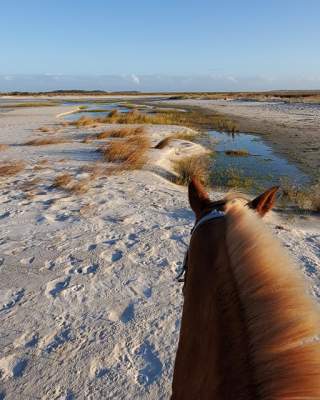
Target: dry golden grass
[(11, 168), (121, 132), (45, 141), (189, 167), (191, 119), (3, 147), (130, 153), (67, 182), (237, 153), (185, 135)]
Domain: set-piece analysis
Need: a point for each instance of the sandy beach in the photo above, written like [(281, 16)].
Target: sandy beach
[(89, 304), (292, 129)]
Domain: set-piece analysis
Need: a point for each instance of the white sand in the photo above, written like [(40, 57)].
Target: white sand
[(89, 305)]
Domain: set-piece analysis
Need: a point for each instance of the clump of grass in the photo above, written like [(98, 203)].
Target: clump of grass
[(68, 183), (232, 178), (129, 153), (45, 141), (3, 147), (189, 167), (306, 198), (184, 135), (122, 132), (237, 153), (11, 168), (163, 143)]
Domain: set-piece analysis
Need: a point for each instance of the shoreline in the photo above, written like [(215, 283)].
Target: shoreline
[(291, 134)]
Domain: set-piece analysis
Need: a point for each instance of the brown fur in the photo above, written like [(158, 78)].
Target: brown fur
[(248, 324)]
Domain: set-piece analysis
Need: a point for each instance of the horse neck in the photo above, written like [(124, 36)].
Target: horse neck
[(213, 344), (248, 324)]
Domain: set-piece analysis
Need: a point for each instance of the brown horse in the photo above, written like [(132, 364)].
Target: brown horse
[(249, 327)]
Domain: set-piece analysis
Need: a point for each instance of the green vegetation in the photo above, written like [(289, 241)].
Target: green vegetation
[(306, 198), (30, 104), (232, 178)]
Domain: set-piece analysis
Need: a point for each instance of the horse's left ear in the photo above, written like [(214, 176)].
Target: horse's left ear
[(263, 203), (198, 197)]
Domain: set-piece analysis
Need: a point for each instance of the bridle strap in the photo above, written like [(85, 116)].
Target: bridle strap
[(213, 214)]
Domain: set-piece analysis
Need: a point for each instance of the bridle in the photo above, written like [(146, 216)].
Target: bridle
[(213, 213), (208, 216)]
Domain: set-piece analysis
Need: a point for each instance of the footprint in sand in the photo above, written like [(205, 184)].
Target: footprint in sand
[(54, 288), (150, 364), (124, 315), (64, 336), (9, 299), (13, 367)]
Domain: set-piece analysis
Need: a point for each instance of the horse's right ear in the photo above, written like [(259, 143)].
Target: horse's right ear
[(263, 203), (198, 197)]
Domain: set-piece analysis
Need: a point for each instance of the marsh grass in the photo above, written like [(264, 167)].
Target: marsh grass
[(45, 141), (193, 166), (11, 168), (30, 104), (190, 119), (232, 178), (306, 198), (237, 153)]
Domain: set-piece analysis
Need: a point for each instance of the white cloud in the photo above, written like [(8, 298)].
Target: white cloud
[(135, 79), (155, 82)]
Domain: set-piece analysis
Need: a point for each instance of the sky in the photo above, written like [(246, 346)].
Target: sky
[(151, 45)]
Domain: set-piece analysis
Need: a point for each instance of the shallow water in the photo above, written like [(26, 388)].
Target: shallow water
[(93, 106), (262, 164)]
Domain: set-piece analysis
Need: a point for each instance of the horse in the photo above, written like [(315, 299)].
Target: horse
[(249, 325)]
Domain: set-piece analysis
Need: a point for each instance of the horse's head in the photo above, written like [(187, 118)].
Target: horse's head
[(202, 205)]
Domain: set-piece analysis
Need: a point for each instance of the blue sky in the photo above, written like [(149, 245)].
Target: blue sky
[(160, 45)]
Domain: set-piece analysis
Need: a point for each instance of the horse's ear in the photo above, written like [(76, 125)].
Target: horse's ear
[(263, 203), (198, 197)]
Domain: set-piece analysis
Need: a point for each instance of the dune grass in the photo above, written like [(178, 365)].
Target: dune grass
[(45, 141), (121, 132), (68, 183), (193, 166), (237, 153), (129, 154), (11, 168)]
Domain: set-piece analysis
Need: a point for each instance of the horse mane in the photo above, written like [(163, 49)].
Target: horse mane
[(280, 318)]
